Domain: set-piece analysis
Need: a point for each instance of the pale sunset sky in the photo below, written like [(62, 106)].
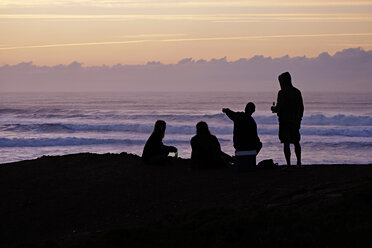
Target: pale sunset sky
[(96, 32)]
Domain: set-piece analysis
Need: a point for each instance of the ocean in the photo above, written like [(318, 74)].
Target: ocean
[(336, 128)]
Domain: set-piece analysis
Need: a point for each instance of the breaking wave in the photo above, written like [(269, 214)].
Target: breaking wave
[(187, 129), (73, 141)]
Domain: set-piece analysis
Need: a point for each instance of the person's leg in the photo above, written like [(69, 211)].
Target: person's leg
[(287, 153), (298, 153)]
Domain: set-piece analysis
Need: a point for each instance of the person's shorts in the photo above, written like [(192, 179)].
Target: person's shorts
[(289, 132)]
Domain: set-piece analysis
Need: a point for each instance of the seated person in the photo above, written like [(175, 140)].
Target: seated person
[(155, 152), (206, 150), (245, 129)]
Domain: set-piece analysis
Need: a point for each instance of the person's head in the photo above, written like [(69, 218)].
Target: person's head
[(159, 127), (202, 128), (250, 108), (285, 80)]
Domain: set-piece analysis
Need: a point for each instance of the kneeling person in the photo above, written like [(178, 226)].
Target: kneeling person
[(245, 129)]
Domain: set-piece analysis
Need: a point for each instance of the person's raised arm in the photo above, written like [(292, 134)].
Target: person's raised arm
[(231, 114)]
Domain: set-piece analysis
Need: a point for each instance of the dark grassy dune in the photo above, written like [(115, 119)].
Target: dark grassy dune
[(113, 200)]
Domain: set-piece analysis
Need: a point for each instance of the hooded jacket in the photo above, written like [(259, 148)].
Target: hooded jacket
[(290, 107)]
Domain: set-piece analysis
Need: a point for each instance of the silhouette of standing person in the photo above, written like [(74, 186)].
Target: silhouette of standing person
[(290, 109), (245, 129), (206, 150), (155, 152)]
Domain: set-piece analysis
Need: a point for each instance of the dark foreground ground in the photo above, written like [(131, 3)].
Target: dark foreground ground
[(113, 200)]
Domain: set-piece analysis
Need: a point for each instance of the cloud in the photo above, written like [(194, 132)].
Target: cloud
[(181, 3), (252, 37), (347, 70), (220, 17)]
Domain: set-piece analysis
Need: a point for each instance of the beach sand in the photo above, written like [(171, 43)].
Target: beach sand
[(80, 199)]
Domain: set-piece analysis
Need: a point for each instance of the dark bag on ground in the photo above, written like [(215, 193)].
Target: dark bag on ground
[(267, 164)]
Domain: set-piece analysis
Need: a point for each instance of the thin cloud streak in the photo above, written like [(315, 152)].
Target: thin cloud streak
[(185, 40), (157, 4), (149, 35), (202, 17)]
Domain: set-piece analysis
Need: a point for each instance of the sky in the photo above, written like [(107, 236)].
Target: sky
[(346, 71), (154, 45), (110, 32)]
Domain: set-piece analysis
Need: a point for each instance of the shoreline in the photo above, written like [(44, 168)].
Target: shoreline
[(66, 198), (181, 158)]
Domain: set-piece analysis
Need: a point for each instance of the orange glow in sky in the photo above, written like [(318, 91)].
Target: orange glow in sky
[(97, 32)]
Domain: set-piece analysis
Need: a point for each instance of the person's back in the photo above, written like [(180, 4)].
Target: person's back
[(206, 150), (245, 132), (245, 135), (290, 104), (154, 151), (154, 146)]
